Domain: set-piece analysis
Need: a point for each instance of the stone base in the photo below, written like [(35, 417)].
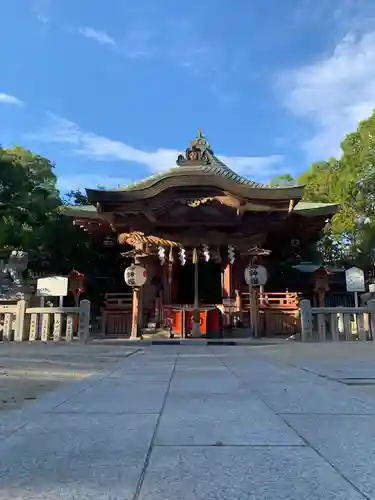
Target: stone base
[(196, 330)]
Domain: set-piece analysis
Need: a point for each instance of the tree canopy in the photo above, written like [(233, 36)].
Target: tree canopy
[(28, 198), (30, 219), (282, 180), (350, 182)]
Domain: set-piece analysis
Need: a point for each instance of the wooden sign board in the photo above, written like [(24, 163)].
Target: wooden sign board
[(54, 286), (355, 280)]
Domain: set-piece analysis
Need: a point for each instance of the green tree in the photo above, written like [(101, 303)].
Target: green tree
[(28, 198), (282, 180), (320, 182), (350, 182), (30, 214), (76, 197)]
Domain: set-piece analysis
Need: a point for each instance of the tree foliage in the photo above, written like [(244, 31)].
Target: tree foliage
[(350, 182), (30, 219), (282, 180), (28, 198)]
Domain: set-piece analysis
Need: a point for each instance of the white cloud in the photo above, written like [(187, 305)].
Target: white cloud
[(10, 99), (97, 35), (256, 166), (334, 93), (60, 130), (134, 45), (68, 182)]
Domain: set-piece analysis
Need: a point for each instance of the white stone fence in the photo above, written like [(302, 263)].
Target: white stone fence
[(335, 324), (21, 323)]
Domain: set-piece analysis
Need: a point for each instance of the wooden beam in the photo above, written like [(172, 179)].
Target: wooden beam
[(150, 216)]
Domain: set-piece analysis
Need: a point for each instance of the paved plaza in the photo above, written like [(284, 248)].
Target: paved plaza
[(190, 422)]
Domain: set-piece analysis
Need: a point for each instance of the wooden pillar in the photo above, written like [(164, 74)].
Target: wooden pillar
[(238, 305), (135, 314), (196, 328), (227, 282), (141, 301), (238, 300), (253, 306), (168, 291)]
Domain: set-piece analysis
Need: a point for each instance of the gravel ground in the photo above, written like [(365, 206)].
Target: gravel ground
[(29, 370)]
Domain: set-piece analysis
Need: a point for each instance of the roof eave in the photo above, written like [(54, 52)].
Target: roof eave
[(83, 212), (189, 180), (328, 210)]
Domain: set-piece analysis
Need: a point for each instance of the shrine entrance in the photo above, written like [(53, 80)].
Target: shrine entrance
[(181, 223), (210, 283)]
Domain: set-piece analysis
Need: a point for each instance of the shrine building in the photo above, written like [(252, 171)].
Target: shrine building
[(195, 228)]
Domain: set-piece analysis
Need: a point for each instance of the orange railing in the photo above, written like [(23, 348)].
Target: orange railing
[(273, 300), (278, 312)]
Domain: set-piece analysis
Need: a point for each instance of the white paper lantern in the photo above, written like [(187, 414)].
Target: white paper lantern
[(135, 275), (256, 275)]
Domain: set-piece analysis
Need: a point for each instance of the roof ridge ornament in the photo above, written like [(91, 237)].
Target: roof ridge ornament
[(199, 152)]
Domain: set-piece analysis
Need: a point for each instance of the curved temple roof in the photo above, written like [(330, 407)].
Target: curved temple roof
[(198, 167)]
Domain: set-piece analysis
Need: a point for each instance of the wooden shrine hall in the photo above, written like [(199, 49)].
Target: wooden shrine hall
[(195, 228)]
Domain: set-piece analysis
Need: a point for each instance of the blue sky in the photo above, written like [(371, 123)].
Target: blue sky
[(112, 91)]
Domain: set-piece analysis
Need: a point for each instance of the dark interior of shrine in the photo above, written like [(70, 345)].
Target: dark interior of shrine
[(209, 281)]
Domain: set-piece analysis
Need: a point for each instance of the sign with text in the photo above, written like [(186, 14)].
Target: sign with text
[(355, 280), (256, 275), (54, 286)]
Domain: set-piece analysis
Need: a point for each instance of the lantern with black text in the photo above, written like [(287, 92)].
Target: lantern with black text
[(135, 275), (256, 275)]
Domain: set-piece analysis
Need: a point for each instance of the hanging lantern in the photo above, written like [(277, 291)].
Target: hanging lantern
[(256, 275), (182, 256), (161, 254), (135, 275), (231, 254), (206, 252)]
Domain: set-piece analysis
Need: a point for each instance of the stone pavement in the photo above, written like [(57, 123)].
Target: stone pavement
[(29, 369), (202, 422)]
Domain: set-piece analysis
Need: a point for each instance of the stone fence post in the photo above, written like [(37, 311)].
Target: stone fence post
[(306, 320), (20, 321), (371, 307), (84, 321)]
